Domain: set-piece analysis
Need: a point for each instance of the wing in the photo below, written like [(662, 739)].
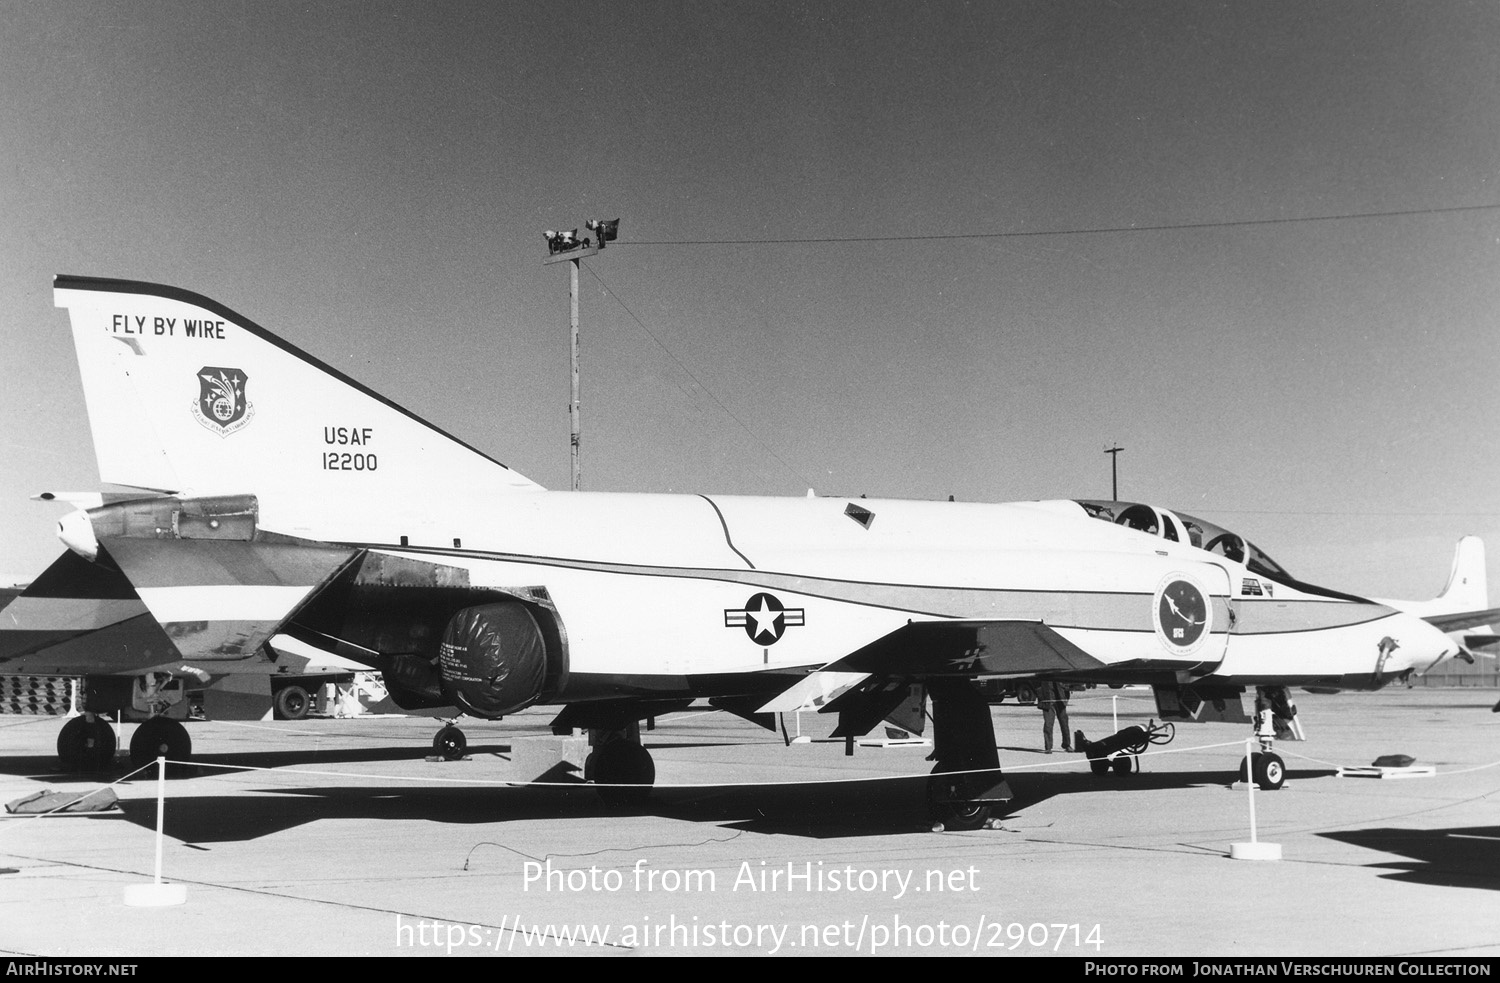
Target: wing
[(968, 648), (923, 649)]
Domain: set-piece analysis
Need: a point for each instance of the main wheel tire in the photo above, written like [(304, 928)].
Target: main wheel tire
[(624, 771), (962, 815), (1122, 765), (292, 703), (943, 807), (1269, 771), (160, 737), (85, 746), (1099, 766), (450, 743)]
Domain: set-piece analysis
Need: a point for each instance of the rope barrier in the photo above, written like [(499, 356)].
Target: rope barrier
[(1005, 768), (511, 783)]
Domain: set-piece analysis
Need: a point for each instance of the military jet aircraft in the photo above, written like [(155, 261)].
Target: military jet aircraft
[(274, 494)]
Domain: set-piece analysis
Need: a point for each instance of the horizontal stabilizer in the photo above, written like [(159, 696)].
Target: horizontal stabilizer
[(1462, 620), (222, 600), (1481, 641)]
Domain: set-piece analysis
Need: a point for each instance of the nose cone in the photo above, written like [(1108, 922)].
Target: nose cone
[(1418, 647)]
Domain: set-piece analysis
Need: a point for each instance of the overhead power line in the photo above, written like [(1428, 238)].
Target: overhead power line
[(1349, 216), (699, 382)]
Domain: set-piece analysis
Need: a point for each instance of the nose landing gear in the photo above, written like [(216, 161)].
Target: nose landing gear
[(1266, 767)]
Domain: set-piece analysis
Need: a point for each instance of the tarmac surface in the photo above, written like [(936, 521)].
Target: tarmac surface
[(337, 837)]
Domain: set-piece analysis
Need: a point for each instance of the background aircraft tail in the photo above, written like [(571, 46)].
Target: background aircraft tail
[(1467, 589), (186, 396), (1463, 605)]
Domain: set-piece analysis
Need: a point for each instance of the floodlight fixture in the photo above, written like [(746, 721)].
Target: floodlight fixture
[(561, 242), (608, 230)]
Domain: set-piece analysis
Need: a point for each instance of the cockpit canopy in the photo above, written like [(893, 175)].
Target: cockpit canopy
[(1179, 527)]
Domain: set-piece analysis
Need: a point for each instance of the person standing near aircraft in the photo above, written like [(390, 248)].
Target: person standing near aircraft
[(1052, 697)]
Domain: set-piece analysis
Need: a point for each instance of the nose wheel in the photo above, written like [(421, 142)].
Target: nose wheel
[(1266, 769)]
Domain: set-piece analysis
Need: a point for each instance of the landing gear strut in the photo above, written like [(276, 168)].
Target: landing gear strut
[(965, 782), (1266, 767)]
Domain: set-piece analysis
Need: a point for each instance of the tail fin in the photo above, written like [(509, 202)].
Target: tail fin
[(186, 396), (1467, 589), (1463, 603)]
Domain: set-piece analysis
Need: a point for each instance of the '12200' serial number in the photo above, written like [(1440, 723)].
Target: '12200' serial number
[(344, 461)]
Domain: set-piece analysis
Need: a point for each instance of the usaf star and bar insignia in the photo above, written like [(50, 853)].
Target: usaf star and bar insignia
[(764, 618)]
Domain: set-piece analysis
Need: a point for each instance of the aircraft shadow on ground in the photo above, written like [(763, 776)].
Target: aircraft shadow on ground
[(45, 766), (822, 810), (1458, 857), (1445, 706)]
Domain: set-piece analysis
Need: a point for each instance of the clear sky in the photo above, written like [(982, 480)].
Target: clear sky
[(371, 180)]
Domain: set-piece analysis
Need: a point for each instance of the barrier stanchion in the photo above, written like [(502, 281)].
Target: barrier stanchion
[(156, 894), (1254, 850)]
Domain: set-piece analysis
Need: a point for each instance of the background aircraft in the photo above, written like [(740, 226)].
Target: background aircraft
[(84, 620), (278, 495)]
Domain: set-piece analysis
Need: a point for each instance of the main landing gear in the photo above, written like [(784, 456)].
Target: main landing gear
[(617, 764), (159, 737), (86, 743), (966, 781), (620, 766)]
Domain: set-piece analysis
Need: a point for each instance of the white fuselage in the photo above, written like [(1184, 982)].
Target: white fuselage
[(660, 584)]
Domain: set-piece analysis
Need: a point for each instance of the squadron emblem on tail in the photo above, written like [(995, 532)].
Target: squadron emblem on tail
[(221, 405)]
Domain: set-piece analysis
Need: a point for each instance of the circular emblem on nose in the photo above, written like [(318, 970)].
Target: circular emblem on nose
[(1181, 615)]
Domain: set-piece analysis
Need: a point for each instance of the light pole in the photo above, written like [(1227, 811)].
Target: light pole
[(1114, 460), (566, 246)]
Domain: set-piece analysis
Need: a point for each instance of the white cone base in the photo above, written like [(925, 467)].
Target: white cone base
[(1255, 851), (155, 895)]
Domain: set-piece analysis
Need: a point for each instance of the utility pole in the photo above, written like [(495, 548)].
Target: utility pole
[(566, 246), (1114, 472)]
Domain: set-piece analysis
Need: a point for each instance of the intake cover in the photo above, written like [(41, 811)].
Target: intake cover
[(493, 659)]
